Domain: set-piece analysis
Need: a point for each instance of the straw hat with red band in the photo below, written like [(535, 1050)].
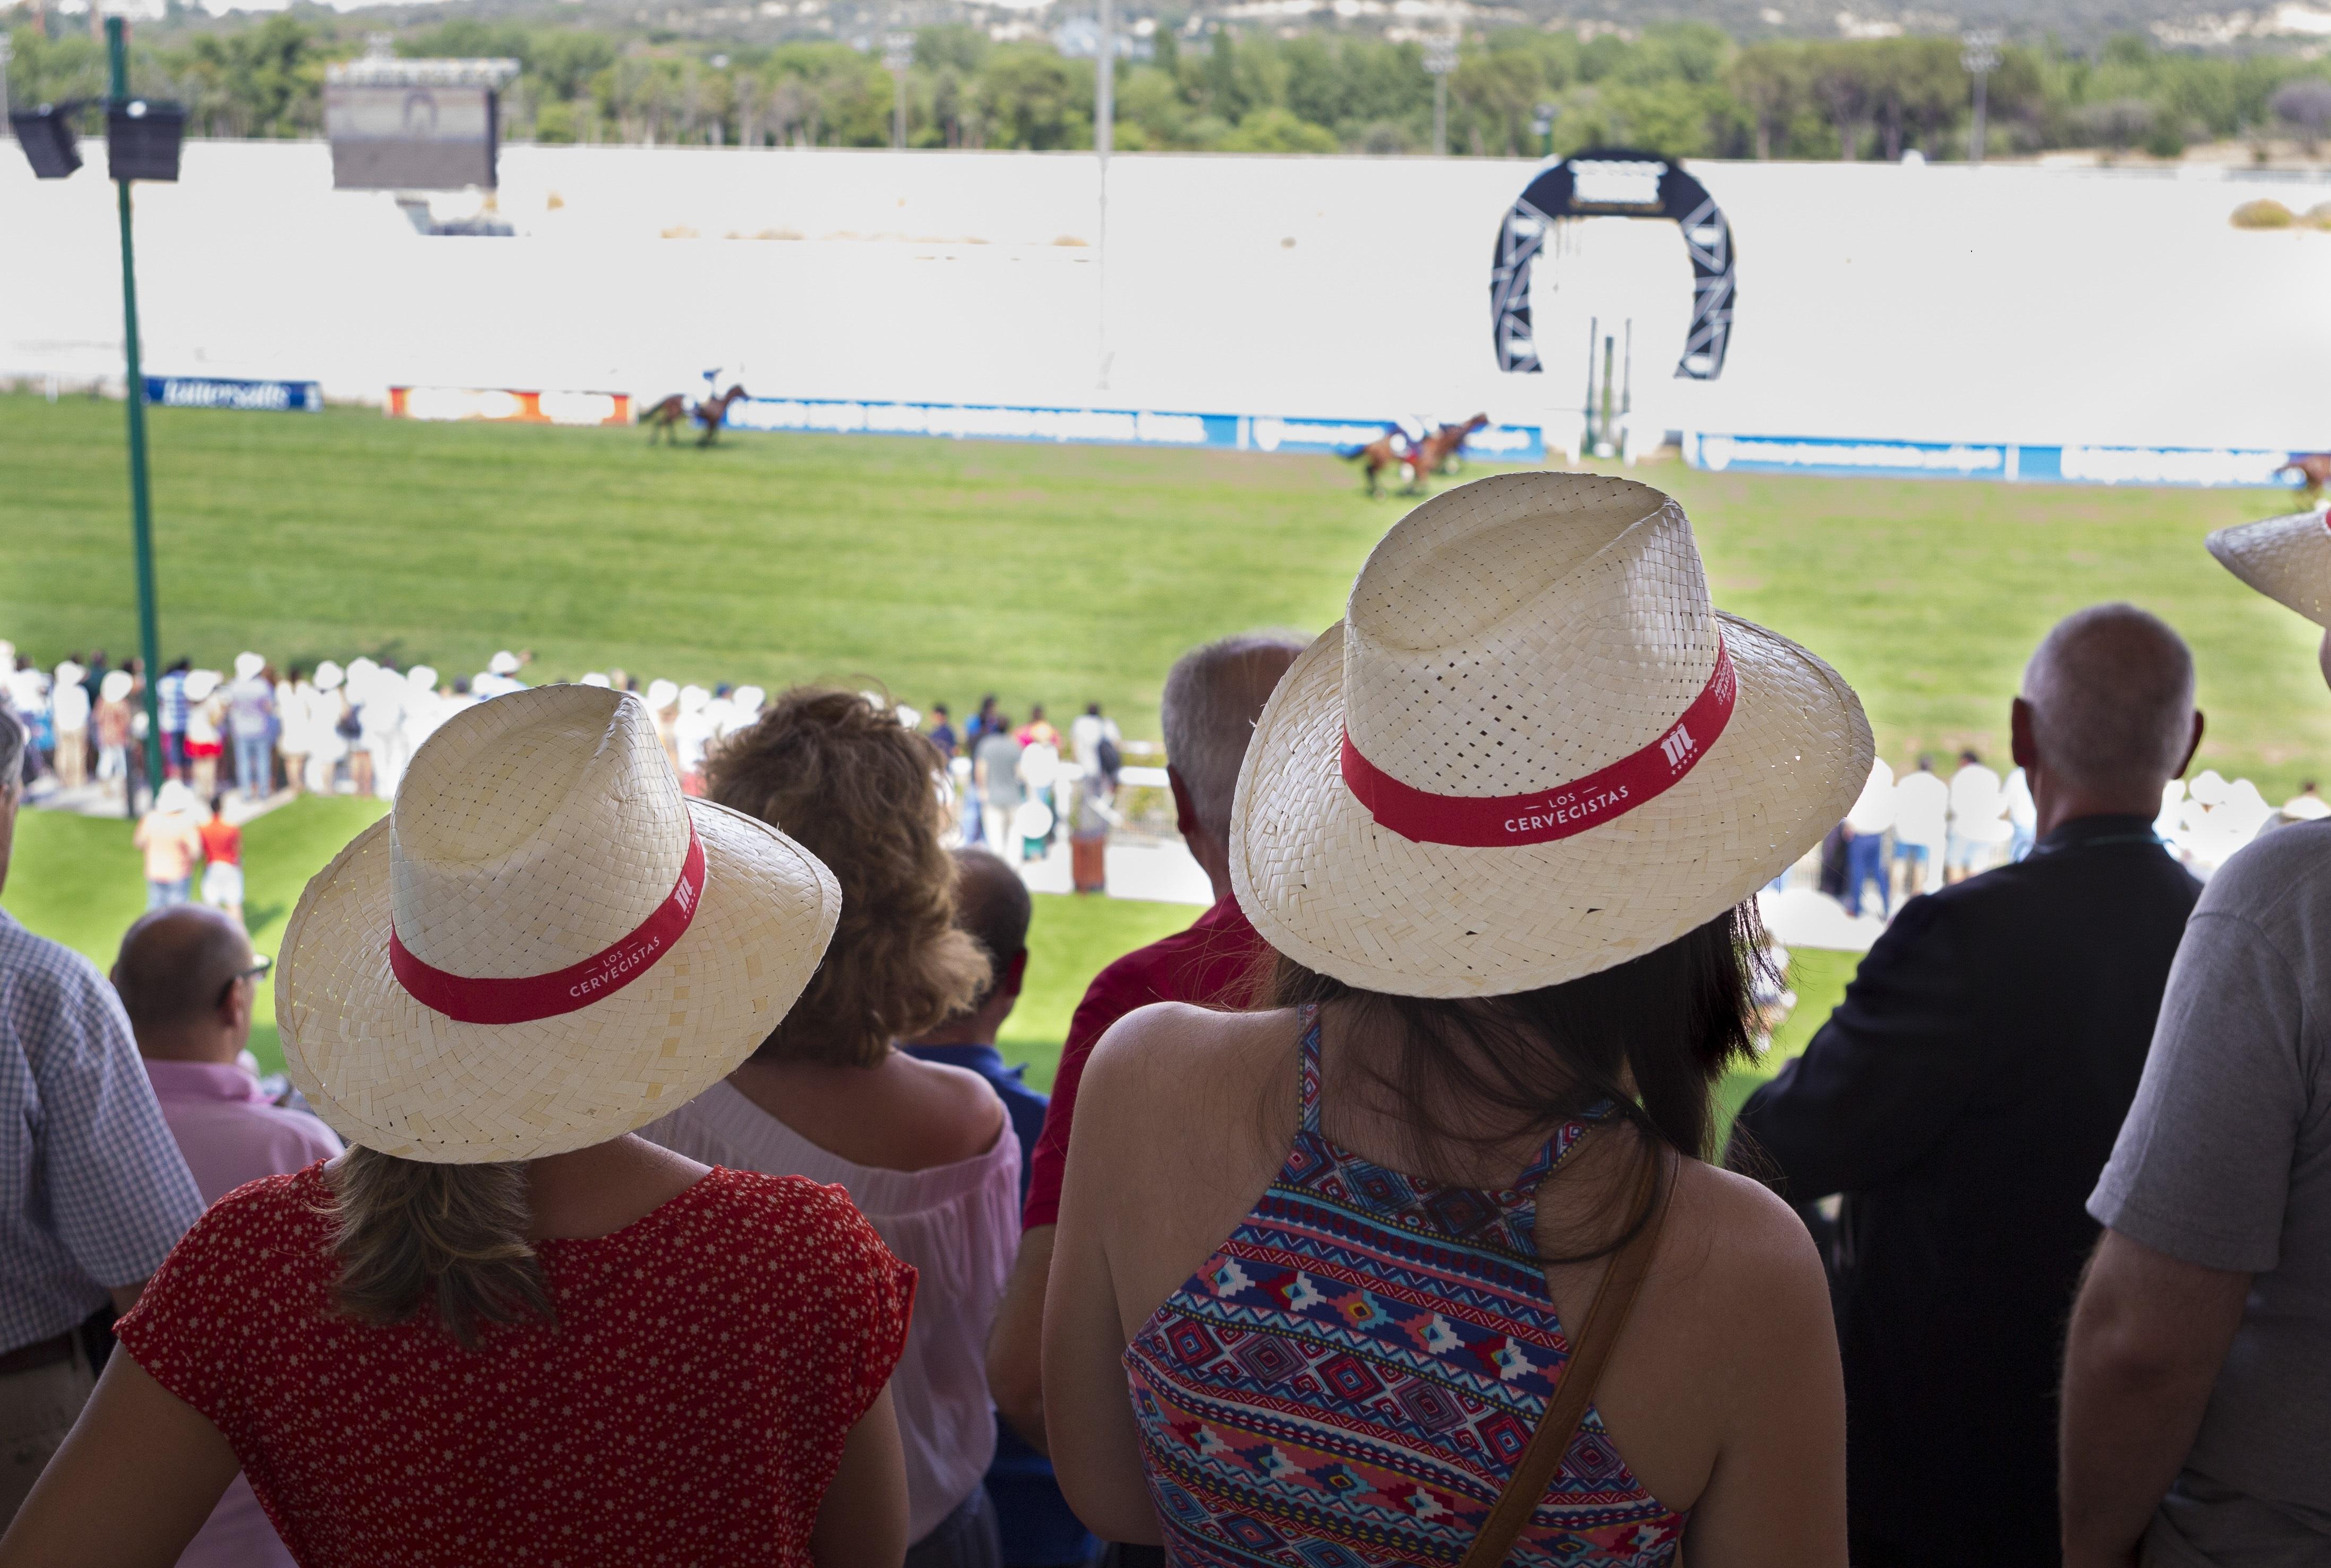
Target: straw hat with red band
[(2287, 558), (546, 944), (1532, 749)]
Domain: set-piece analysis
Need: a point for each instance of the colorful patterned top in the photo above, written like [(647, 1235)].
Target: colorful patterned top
[(1349, 1380)]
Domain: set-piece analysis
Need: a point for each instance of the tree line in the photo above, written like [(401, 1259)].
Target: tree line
[(1687, 90)]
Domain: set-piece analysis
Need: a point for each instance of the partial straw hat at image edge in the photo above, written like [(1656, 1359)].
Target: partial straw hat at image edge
[(596, 949), (2286, 558), (1571, 757)]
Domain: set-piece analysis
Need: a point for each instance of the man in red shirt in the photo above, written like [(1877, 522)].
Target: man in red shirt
[(1213, 696)]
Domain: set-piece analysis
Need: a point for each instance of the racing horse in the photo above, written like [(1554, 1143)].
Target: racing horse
[(665, 418), (1437, 452), (2314, 467)]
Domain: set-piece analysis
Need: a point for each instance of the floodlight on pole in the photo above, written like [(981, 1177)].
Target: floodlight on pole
[(897, 54), (1440, 61), (142, 142), (1979, 53), (46, 136)]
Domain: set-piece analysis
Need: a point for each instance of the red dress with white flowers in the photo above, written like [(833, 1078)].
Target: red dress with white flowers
[(690, 1405)]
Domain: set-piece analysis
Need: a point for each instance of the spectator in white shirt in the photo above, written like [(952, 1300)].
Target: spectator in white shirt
[(2022, 814), (499, 677), (1865, 848), (693, 735), (1922, 804), (380, 718), (1978, 822), (69, 715), (332, 721)]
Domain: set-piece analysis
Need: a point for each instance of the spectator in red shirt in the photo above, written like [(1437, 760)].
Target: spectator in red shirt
[(222, 861), (1213, 696), (501, 1327)]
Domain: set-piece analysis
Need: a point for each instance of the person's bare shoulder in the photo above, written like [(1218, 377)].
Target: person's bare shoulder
[(1170, 1066), (1741, 1226), (1180, 1043), (1741, 1256), (959, 1114)]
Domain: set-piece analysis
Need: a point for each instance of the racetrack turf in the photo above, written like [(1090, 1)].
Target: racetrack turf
[(1053, 574)]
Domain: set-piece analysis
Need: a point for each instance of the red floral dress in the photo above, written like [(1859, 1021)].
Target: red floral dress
[(688, 1407)]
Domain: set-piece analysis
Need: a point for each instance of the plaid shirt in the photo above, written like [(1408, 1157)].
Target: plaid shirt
[(93, 1192)]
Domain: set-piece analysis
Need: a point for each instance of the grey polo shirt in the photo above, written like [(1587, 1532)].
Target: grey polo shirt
[(2225, 1162)]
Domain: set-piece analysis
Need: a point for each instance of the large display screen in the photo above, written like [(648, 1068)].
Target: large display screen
[(410, 138)]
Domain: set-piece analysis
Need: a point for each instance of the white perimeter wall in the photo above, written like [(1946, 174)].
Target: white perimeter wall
[(1940, 303)]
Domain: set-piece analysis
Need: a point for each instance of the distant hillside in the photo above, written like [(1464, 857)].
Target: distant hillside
[(2078, 23), (1258, 76)]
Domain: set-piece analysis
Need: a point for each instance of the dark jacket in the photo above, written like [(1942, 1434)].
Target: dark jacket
[(1964, 1098)]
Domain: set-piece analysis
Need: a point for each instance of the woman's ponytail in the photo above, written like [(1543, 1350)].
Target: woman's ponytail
[(411, 1229)]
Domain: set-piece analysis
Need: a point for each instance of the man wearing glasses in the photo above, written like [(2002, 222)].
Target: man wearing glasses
[(188, 978)]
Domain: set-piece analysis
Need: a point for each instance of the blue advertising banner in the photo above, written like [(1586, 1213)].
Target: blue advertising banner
[(211, 392), (2238, 467), (1127, 427)]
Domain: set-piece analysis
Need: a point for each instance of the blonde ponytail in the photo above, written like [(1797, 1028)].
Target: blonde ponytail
[(409, 1229)]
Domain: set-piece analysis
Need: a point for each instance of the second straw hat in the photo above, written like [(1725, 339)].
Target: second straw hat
[(2286, 558), (1532, 749), (546, 944)]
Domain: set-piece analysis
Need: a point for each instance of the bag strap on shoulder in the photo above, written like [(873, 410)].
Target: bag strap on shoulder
[(1590, 1352)]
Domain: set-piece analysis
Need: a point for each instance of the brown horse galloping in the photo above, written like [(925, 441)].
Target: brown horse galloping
[(665, 418), (2314, 467), (1436, 454)]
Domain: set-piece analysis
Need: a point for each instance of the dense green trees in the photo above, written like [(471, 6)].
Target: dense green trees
[(1684, 89)]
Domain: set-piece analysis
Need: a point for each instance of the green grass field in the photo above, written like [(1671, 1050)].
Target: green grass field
[(1058, 574)]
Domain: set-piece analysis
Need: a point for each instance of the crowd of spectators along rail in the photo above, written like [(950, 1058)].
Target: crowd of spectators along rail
[(1432, 1240), (351, 729)]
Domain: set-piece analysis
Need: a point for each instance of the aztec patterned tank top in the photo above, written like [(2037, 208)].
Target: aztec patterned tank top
[(1348, 1381)]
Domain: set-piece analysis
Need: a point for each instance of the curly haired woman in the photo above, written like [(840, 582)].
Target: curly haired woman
[(924, 1150)]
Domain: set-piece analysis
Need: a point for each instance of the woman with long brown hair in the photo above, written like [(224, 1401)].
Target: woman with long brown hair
[(501, 1328), (924, 1150), (1425, 1263)]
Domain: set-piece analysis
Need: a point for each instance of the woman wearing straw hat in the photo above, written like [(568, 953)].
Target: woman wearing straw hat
[(924, 1149), (1367, 1261), (500, 1329)]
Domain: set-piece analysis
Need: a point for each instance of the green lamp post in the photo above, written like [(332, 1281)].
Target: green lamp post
[(142, 140)]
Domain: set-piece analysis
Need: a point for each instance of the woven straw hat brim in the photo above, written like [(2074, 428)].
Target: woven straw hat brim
[(394, 1076), (1339, 894), (2286, 558)]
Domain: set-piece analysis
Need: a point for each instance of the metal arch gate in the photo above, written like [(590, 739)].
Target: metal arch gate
[(1624, 183)]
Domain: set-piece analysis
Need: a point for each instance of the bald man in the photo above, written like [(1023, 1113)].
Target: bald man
[(187, 978), (1964, 1095)]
